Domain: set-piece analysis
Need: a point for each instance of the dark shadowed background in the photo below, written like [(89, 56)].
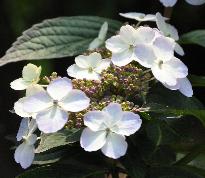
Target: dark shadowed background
[(19, 15)]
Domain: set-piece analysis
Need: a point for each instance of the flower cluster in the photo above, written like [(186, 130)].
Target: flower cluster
[(108, 86)]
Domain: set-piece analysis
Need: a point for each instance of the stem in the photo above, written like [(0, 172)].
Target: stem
[(138, 24), (190, 156), (168, 12)]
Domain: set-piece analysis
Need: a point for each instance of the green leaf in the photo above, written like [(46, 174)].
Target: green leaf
[(59, 37), (162, 100), (133, 163), (160, 133), (174, 172), (194, 37), (61, 138), (61, 171), (48, 158), (197, 81)]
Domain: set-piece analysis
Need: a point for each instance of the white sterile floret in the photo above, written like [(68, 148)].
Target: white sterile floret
[(168, 3), (171, 3), (169, 31), (123, 45), (24, 153), (106, 130), (52, 105), (30, 75), (139, 16), (160, 58), (88, 67), (18, 106), (100, 40), (195, 2), (183, 85)]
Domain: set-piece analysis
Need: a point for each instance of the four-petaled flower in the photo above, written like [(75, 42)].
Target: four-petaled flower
[(160, 58), (106, 130), (88, 67), (30, 76), (24, 153), (52, 106), (123, 45)]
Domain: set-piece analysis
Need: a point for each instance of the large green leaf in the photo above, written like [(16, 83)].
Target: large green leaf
[(62, 171), (197, 81), (170, 102), (61, 138), (59, 37), (194, 37)]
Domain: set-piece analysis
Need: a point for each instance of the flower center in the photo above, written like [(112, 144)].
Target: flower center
[(90, 70), (107, 131), (55, 102), (160, 63)]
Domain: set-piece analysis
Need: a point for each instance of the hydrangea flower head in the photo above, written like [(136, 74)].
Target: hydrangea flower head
[(52, 106), (30, 75), (88, 67), (106, 130)]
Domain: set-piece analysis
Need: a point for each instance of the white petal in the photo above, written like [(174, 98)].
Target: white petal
[(75, 101), (195, 2), (59, 88), (150, 17), (31, 73), (95, 44), (128, 34), (115, 113), (144, 35), (38, 102), (133, 15), (178, 49), (123, 58), (19, 84), (145, 55), (23, 129), (33, 89), (31, 140), (86, 62), (164, 48), (176, 67), (172, 32), (92, 141), (163, 76), (116, 44), (104, 64), (51, 120), (128, 125), (18, 108), (115, 146), (103, 31), (185, 87), (168, 3), (161, 24), (95, 120), (24, 155)]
